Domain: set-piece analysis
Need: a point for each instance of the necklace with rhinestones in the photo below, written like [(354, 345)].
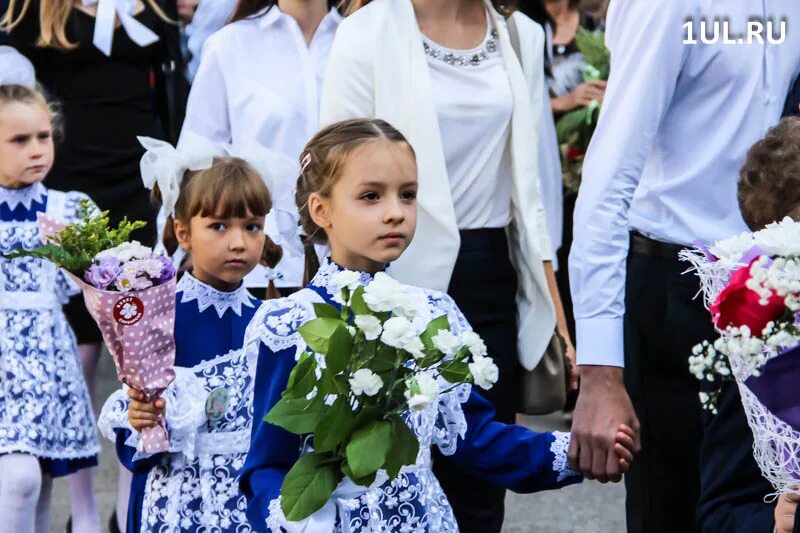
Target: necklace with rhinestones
[(472, 59)]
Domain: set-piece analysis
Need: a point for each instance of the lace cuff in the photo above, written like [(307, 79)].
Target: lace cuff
[(450, 420), (277, 523), (185, 415), (559, 448)]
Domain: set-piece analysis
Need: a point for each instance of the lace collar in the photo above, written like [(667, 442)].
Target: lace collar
[(207, 296), (324, 277), (24, 196)]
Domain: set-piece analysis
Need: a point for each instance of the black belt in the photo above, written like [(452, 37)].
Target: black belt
[(652, 248)]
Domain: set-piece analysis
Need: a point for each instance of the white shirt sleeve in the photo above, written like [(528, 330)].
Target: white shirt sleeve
[(207, 108), (647, 54)]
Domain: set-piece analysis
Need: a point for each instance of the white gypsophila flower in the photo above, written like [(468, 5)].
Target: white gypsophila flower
[(474, 343), (370, 325), (446, 342), (732, 249), (346, 279), (365, 381), (397, 332), (780, 238), (423, 390), (415, 348), (382, 293), (484, 372)]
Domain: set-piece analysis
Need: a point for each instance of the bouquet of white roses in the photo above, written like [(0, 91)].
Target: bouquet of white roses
[(366, 366), (752, 287)]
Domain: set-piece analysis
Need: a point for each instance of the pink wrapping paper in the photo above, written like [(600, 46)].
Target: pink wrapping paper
[(137, 327)]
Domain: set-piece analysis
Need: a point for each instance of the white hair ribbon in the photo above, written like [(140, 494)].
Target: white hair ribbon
[(279, 173), (105, 22), (15, 69)]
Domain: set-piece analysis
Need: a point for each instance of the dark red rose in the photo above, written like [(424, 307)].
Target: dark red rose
[(738, 306), (573, 153)]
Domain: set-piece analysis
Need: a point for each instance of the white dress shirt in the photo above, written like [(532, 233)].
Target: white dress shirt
[(676, 124), (473, 107), (260, 82), (209, 17)]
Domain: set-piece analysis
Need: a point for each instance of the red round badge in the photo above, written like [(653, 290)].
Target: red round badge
[(128, 310)]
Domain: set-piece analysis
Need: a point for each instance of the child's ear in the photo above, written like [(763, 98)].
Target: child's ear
[(319, 209), (183, 235)]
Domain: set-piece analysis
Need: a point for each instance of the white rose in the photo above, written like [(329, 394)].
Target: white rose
[(415, 347), (397, 332), (484, 372), (446, 342), (474, 343), (365, 381), (422, 391), (346, 279), (370, 325), (381, 293)]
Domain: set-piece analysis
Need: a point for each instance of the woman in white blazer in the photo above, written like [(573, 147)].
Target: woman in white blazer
[(447, 75)]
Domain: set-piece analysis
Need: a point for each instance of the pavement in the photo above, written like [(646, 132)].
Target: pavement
[(589, 507)]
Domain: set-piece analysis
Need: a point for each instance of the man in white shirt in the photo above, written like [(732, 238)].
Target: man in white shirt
[(680, 112)]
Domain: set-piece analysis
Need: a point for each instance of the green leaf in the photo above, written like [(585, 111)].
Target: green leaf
[(570, 123), (331, 384), (368, 447), (335, 426), (357, 304), (436, 325), (364, 481), (405, 448), (326, 311), (317, 332), (340, 348), (297, 415), (384, 360), (308, 485), (456, 372), (303, 377)]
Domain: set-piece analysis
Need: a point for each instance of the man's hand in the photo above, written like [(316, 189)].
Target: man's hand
[(603, 405), (785, 511), (186, 9)]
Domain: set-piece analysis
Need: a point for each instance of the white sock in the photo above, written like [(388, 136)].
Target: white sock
[(83, 506), (43, 505), (20, 486), (123, 497)]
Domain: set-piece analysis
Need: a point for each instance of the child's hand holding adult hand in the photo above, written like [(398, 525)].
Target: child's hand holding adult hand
[(785, 510), (144, 415)]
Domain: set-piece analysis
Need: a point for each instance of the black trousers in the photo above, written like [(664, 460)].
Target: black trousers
[(484, 285), (664, 319)]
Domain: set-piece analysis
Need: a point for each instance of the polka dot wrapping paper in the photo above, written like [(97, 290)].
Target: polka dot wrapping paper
[(137, 327)]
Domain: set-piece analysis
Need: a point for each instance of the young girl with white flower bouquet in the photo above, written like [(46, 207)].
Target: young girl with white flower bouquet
[(216, 208), (357, 376)]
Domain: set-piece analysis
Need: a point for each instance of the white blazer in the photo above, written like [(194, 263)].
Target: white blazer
[(377, 68)]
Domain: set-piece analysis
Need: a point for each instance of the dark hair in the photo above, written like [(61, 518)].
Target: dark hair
[(321, 164), (250, 8), (769, 182), (229, 188)]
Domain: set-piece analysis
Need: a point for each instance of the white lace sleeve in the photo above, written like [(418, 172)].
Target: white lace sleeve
[(185, 414), (275, 325), (451, 423), (559, 448)]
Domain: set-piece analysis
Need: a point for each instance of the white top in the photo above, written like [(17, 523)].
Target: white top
[(473, 105), (258, 81), (676, 124), (209, 16)]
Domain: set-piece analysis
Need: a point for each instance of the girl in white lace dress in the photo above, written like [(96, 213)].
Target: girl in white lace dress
[(219, 221), (46, 422), (357, 192)]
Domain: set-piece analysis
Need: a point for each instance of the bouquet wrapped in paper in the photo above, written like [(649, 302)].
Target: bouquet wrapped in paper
[(129, 291), (751, 284)]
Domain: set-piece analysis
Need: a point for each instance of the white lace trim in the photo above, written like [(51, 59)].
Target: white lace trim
[(324, 276), (559, 448), (25, 196), (206, 296)]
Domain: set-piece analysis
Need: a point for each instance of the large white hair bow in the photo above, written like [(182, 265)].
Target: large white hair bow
[(166, 165), (279, 173), (15, 69), (105, 22)]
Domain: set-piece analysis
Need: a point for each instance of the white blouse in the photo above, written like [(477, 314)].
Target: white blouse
[(260, 82), (473, 104)]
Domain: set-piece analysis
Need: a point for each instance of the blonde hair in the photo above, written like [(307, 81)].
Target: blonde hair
[(322, 162), (53, 15), (28, 95), (229, 188)]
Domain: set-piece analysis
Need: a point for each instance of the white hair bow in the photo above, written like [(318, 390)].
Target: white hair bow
[(166, 165), (105, 22), (15, 69), (279, 173)]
